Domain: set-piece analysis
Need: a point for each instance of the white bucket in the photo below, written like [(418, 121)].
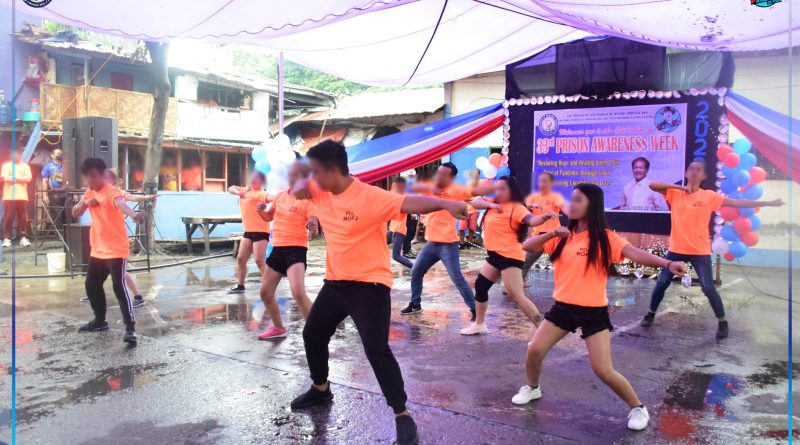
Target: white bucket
[(56, 262)]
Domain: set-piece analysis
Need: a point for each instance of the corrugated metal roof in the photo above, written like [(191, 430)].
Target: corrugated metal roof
[(384, 103)]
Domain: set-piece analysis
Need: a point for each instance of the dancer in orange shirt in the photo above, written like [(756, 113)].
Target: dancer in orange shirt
[(398, 228), (505, 227), (256, 230), (293, 223), (543, 202), (358, 275), (582, 255), (690, 240), (468, 227), (109, 243)]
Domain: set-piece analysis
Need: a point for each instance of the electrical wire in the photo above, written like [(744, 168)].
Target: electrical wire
[(758, 289), (433, 34)]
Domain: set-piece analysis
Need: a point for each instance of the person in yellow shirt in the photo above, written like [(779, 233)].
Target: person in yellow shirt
[(582, 254), (16, 176)]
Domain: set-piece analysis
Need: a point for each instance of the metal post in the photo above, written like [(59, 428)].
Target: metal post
[(280, 93)]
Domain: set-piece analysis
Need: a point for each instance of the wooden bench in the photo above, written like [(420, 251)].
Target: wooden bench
[(206, 224)]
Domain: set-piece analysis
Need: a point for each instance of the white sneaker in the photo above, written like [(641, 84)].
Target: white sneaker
[(24, 242), (638, 418), (526, 394), (6, 242), (475, 329)]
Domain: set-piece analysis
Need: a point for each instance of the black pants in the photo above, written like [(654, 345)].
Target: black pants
[(411, 232), (99, 270), (369, 305)]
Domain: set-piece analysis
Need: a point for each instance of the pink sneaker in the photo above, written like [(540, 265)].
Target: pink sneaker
[(272, 332)]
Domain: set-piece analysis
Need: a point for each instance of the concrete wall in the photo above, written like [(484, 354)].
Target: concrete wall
[(23, 50)]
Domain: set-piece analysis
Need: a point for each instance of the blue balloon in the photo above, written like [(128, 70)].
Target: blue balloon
[(738, 249), (741, 146), (259, 154), (263, 167), (747, 212), (754, 220), (736, 195), (746, 161), (728, 171), (728, 186), (753, 192), (503, 171), (728, 233), (741, 178)]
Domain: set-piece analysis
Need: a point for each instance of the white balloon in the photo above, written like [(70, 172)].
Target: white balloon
[(482, 162), (720, 246), (282, 141), (490, 171), (286, 156)]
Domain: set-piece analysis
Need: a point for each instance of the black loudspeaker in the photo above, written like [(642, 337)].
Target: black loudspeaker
[(79, 247), (87, 137), (601, 67)]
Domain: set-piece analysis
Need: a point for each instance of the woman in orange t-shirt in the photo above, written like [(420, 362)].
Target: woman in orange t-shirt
[(505, 226), (293, 223), (582, 255), (256, 230)]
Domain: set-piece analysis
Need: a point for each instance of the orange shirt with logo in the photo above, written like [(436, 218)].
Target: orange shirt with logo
[(398, 224), (290, 220), (541, 204), (251, 220), (574, 282), (354, 222), (108, 235), (690, 214), (500, 230), (13, 189), (440, 226)]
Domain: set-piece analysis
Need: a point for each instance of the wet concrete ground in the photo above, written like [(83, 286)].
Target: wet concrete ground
[(200, 376)]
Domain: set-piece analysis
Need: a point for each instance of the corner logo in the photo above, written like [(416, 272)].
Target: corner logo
[(43, 3), (759, 3), (548, 124)]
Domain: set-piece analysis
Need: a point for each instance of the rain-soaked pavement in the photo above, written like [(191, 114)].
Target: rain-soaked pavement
[(199, 376)]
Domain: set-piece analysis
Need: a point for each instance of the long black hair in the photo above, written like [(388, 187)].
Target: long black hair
[(518, 197), (599, 253)]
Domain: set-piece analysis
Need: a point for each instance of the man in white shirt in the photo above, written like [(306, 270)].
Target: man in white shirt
[(636, 195)]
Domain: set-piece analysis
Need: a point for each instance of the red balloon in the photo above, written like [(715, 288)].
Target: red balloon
[(749, 239), (723, 150), (728, 256), (729, 213), (742, 225), (757, 174), (496, 159), (731, 160)]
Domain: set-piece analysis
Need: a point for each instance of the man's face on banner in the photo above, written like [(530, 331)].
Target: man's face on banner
[(667, 116), (639, 170)]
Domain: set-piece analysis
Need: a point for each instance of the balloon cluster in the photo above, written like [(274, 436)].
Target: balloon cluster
[(738, 178), (495, 166), (273, 160)]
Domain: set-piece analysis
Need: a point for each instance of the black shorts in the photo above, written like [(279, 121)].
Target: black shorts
[(570, 317), (501, 262), (283, 257), (256, 236)]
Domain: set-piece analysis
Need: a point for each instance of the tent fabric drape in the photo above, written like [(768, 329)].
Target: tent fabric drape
[(379, 42), (768, 130)]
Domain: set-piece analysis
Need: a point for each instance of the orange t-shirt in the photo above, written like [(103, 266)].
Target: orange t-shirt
[(398, 224), (500, 230), (440, 226), (251, 220), (574, 282), (108, 235), (690, 216), (541, 204), (290, 220), (13, 189), (354, 222)]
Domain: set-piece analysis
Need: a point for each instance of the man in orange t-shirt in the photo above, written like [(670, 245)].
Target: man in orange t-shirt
[(542, 203), (16, 176), (442, 239), (689, 240), (256, 230), (109, 242), (398, 227), (358, 276)]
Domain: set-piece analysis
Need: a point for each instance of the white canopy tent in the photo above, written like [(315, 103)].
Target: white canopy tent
[(423, 42)]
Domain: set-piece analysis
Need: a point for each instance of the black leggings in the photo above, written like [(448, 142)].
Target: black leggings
[(99, 270), (369, 305)]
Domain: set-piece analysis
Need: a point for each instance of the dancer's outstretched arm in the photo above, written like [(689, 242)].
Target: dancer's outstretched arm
[(749, 203), (536, 243), (648, 259), (426, 204)]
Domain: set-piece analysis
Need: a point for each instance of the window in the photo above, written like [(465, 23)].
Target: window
[(236, 169), (215, 171), (168, 173), (191, 170), (121, 81), (135, 167)]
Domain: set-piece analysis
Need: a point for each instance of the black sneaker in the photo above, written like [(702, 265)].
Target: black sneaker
[(472, 319), (94, 326), (648, 319), (238, 289), (130, 336), (722, 330), (409, 255), (406, 430), (312, 397), (138, 301), (462, 246), (411, 308), (85, 300)]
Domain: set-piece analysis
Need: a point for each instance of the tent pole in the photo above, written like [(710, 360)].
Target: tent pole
[(280, 93)]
